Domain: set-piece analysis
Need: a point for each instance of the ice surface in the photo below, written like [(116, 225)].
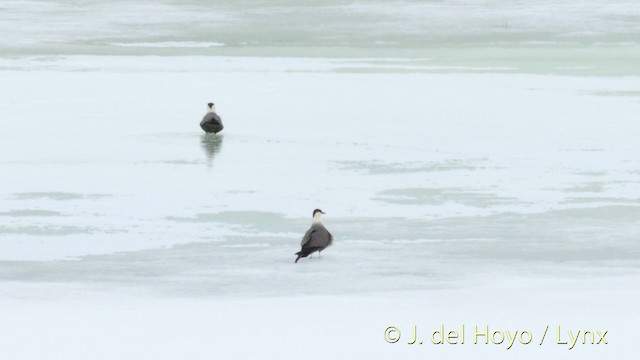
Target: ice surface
[(477, 164), (125, 163), (108, 324), (177, 44)]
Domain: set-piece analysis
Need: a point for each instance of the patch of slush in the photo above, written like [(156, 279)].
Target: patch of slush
[(171, 44), (59, 196), (440, 196), (30, 213), (381, 167)]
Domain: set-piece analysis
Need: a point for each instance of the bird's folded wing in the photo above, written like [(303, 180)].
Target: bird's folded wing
[(307, 237)]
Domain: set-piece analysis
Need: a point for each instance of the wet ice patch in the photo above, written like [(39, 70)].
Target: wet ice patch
[(51, 230), (30, 213), (588, 187), (440, 196), (59, 196), (601, 200), (389, 167), (616, 93), (171, 44), (253, 221), (591, 173)]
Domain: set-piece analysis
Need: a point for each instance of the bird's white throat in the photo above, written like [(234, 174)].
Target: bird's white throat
[(211, 109), (316, 217)]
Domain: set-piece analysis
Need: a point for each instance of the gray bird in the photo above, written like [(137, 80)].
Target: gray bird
[(211, 122), (317, 238)]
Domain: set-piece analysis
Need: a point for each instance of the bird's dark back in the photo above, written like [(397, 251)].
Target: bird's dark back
[(211, 122)]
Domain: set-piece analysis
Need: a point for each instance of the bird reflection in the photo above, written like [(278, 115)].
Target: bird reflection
[(211, 144)]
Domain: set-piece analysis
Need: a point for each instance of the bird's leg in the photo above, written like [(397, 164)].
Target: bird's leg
[(319, 254)]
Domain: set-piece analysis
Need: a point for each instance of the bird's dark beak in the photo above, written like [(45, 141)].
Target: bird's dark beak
[(323, 213)]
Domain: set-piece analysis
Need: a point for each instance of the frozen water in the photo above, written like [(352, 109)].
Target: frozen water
[(125, 164), (462, 152)]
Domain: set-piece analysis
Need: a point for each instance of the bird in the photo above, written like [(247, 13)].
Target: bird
[(211, 122), (317, 238)]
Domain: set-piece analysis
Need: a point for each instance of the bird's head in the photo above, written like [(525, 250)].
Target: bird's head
[(317, 214), (211, 107)]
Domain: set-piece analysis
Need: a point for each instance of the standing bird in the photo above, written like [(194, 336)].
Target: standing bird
[(317, 238), (211, 122)]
